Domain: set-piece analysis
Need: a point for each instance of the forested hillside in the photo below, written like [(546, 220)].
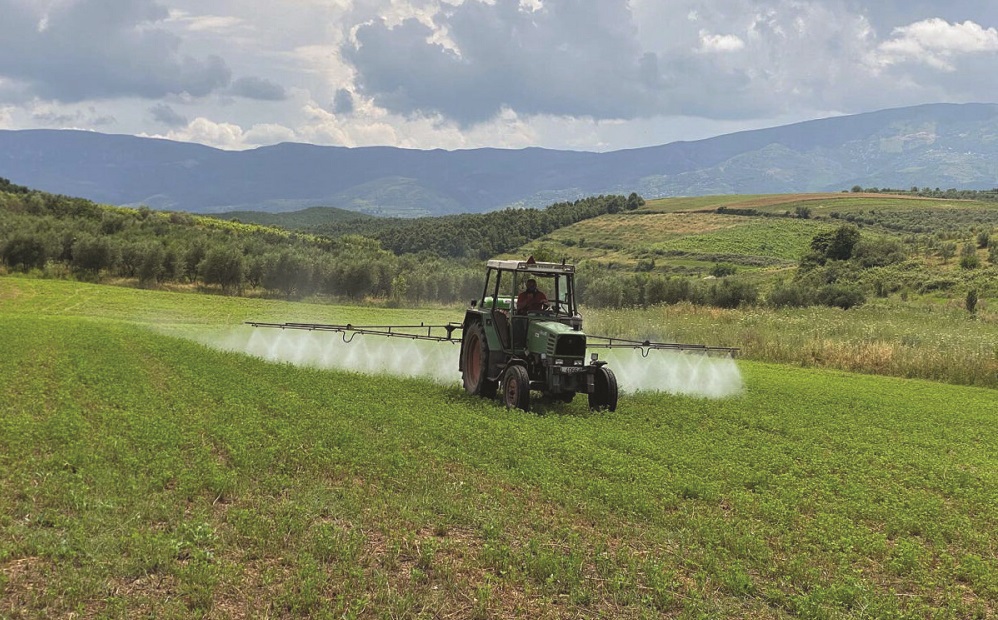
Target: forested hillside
[(436, 259)]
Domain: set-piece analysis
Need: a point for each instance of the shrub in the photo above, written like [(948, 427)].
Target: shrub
[(878, 252), (791, 296), (721, 270), (731, 294), (841, 296), (983, 239), (968, 257)]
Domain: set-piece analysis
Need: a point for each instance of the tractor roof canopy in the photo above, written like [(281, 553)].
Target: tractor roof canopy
[(531, 267)]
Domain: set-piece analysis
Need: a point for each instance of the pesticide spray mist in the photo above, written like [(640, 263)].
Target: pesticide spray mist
[(661, 371), (691, 374), (365, 354)]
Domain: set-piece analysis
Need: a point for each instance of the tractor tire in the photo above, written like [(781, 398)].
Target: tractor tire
[(604, 397), (475, 365), (516, 388)]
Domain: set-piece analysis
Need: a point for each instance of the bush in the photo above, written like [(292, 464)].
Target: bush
[(968, 257), (732, 294), (721, 270), (878, 252), (840, 296), (983, 239), (791, 296)]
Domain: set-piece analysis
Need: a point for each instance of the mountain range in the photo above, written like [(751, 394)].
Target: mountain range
[(935, 145)]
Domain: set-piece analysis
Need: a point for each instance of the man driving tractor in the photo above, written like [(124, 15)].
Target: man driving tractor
[(531, 300)]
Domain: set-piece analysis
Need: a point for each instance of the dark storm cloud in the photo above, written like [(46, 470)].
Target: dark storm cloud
[(166, 115), (100, 49), (571, 57), (258, 88), (343, 102)]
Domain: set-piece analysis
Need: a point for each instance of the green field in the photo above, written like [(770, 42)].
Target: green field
[(145, 475), (688, 235)]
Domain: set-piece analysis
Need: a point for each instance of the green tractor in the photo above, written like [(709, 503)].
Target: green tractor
[(524, 334), (521, 340)]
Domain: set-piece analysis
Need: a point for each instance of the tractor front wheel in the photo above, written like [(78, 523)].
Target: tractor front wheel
[(475, 365), (605, 394), (516, 388)]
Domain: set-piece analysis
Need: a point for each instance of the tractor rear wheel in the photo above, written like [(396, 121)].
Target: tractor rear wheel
[(605, 394), (475, 365), (516, 388)]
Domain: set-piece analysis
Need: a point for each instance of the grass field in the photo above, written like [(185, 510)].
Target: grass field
[(147, 475)]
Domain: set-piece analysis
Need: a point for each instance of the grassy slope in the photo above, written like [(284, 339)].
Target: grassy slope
[(149, 475), (685, 232)]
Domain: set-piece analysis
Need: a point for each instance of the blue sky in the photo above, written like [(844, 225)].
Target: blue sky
[(577, 74)]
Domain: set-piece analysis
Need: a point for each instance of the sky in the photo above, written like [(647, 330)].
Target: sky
[(594, 75)]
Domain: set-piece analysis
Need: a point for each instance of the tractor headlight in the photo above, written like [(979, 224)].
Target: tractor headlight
[(559, 362), (578, 362)]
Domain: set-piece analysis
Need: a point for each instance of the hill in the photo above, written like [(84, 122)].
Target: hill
[(312, 217), (934, 145), (144, 474), (765, 237)]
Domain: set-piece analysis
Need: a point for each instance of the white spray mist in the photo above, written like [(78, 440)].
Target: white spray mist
[(366, 354), (661, 371), (691, 373)]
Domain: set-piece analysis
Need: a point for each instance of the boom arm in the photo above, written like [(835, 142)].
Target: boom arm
[(605, 342), (412, 332)]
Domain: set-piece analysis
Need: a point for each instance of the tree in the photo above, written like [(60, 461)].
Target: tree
[(151, 267), (971, 301), (25, 251), (92, 254), (223, 265), (835, 245)]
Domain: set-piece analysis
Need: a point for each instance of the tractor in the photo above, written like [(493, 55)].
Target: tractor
[(519, 346), (516, 341)]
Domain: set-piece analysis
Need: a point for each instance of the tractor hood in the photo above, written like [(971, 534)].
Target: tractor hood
[(554, 338)]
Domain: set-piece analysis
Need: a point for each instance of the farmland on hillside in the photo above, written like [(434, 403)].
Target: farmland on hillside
[(148, 475)]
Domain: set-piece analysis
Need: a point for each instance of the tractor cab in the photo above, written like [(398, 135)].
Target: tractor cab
[(519, 293)]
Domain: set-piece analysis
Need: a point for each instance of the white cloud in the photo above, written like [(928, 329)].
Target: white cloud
[(720, 43), (204, 131), (937, 43)]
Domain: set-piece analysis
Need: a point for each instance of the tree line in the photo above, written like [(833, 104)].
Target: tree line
[(431, 259)]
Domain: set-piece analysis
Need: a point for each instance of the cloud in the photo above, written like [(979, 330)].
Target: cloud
[(89, 117), (258, 88), (573, 57), (90, 49), (937, 43), (720, 42), (166, 115)]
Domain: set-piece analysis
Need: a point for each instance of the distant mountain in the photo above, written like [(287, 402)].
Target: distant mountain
[(939, 145)]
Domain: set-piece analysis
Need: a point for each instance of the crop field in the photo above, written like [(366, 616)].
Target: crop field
[(707, 237), (144, 474)]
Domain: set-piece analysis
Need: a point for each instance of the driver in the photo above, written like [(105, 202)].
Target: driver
[(532, 299)]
